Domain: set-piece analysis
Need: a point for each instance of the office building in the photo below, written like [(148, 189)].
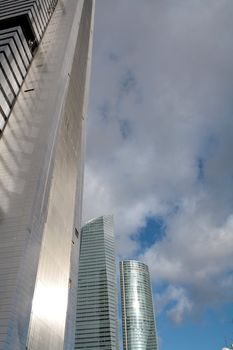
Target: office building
[(45, 53), (96, 320), (138, 321)]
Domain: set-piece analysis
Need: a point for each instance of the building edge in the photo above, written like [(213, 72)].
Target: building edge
[(75, 253)]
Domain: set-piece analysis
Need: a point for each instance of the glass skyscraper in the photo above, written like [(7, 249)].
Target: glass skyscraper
[(96, 320), (45, 55), (138, 321)]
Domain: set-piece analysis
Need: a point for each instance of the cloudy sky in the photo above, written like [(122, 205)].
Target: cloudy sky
[(159, 155)]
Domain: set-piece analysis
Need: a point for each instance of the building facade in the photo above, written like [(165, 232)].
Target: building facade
[(138, 322), (96, 320), (45, 53)]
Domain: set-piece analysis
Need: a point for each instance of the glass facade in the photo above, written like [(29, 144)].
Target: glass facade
[(96, 319), (44, 75), (138, 323)]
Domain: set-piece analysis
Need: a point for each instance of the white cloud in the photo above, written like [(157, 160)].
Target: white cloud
[(161, 101), (181, 305), (196, 255)]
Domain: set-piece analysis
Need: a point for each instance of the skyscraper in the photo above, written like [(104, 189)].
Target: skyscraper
[(137, 307), (45, 52), (96, 320)]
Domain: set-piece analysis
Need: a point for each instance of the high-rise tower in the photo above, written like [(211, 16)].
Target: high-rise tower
[(96, 320), (45, 52), (137, 307)]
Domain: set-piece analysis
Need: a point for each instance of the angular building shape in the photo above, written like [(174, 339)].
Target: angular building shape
[(138, 321), (45, 53), (96, 320), (22, 26)]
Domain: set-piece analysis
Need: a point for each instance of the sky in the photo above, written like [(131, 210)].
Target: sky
[(159, 156)]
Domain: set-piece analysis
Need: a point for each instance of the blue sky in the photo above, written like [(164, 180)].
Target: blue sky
[(159, 155)]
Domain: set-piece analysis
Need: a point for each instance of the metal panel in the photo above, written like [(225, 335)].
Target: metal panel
[(18, 33), (16, 39), (39, 12), (8, 70), (13, 54), (5, 86), (23, 23), (41, 166)]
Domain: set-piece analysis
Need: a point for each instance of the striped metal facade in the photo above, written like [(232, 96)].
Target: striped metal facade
[(22, 25), (138, 323), (96, 320), (32, 15), (45, 60)]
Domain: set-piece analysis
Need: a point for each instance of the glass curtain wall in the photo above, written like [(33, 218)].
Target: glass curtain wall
[(137, 307), (96, 320)]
